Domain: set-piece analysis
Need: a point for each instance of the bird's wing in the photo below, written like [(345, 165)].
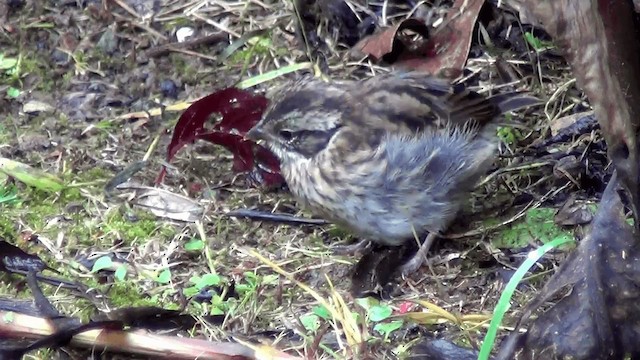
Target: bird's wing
[(417, 101)]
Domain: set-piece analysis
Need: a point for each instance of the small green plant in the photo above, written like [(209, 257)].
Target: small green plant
[(200, 283), (10, 67), (377, 313), (8, 194), (194, 244), (13, 92), (538, 225), (164, 276), (509, 135), (258, 45), (252, 281), (312, 322), (536, 43)]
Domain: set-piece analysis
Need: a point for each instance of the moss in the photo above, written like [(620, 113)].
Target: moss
[(142, 229), (6, 135), (91, 175), (29, 63), (36, 212), (182, 67), (256, 47), (339, 232), (66, 78), (537, 226), (509, 135), (7, 225), (32, 64), (127, 294)]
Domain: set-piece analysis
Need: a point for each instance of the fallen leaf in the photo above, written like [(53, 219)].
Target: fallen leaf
[(30, 176), (164, 203), (442, 52), (388, 45), (239, 110)]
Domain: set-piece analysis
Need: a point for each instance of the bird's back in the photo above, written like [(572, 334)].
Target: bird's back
[(415, 101), (408, 153)]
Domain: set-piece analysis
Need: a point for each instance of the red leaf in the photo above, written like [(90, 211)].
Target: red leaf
[(239, 111), (405, 307), (443, 52)]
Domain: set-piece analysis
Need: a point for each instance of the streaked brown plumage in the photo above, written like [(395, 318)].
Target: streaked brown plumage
[(388, 157)]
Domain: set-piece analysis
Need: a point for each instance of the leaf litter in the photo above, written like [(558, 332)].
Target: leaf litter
[(127, 90)]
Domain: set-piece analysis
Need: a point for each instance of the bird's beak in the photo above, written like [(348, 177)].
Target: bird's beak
[(256, 133)]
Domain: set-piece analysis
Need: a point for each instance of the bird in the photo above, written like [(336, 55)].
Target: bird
[(390, 158)]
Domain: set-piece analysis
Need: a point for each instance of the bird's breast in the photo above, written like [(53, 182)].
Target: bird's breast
[(352, 194)]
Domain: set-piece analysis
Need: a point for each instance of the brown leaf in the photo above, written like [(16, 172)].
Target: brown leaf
[(443, 52), (446, 52), (388, 44)]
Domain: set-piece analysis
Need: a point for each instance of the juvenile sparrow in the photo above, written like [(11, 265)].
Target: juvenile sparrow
[(388, 158)]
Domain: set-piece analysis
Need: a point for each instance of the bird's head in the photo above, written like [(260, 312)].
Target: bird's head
[(302, 121)]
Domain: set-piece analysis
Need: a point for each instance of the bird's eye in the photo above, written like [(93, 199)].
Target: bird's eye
[(286, 135)]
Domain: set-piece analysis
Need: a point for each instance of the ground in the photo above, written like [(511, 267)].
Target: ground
[(71, 74)]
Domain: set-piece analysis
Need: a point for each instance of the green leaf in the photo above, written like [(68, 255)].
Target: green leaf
[(8, 194), (201, 282), (121, 272), (387, 328), (310, 322), (216, 311), (13, 92), (379, 312), (164, 277), (9, 317), (104, 262), (243, 288), (367, 303), (270, 279), (31, 176), (273, 74), (250, 277), (190, 291), (251, 282), (194, 245), (322, 312), (536, 43), (7, 63)]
